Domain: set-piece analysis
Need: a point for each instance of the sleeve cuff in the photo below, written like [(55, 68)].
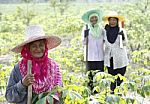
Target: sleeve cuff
[(21, 87)]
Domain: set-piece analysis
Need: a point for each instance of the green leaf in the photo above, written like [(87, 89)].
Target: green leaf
[(71, 96), (74, 95), (104, 82), (77, 94), (41, 101), (65, 93), (41, 95), (146, 90), (34, 98), (132, 86), (112, 99), (130, 100), (50, 99)]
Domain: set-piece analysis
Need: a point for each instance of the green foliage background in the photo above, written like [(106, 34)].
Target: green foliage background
[(64, 20)]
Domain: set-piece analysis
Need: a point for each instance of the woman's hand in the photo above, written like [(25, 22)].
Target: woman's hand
[(28, 80)]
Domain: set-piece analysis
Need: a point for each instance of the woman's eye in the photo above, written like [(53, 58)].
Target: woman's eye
[(41, 45), (33, 46)]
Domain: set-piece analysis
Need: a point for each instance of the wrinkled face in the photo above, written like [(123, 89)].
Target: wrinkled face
[(93, 20), (37, 48), (113, 22)]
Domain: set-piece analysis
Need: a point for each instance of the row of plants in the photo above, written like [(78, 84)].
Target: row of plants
[(70, 53)]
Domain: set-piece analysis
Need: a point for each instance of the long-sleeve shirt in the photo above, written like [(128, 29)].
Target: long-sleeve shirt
[(16, 92), (118, 53), (95, 46)]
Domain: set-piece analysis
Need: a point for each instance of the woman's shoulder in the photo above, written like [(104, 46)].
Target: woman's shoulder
[(16, 67), (103, 29), (121, 29), (16, 70)]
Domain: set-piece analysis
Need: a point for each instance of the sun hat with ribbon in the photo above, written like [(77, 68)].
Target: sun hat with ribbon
[(34, 33), (113, 14), (88, 14)]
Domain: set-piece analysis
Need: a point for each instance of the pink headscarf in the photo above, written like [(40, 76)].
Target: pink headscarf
[(41, 68)]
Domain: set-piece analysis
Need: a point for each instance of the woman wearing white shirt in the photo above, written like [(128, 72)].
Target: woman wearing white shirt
[(95, 34), (115, 58)]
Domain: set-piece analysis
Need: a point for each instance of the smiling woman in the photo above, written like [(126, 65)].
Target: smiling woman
[(37, 48), (92, 37), (45, 72), (93, 19), (115, 59)]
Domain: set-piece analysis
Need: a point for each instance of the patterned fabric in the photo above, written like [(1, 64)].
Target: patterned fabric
[(45, 70), (119, 55)]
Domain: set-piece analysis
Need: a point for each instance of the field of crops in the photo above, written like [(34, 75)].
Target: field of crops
[(64, 20)]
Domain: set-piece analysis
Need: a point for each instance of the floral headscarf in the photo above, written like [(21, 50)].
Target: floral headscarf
[(44, 70)]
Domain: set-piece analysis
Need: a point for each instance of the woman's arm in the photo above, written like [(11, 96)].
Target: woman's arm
[(123, 34), (15, 91), (85, 33), (125, 41), (103, 34), (58, 76)]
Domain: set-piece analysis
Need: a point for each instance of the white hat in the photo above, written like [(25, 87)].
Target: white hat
[(35, 32)]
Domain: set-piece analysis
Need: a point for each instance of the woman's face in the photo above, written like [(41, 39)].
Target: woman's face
[(113, 22), (93, 20), (37, 48)]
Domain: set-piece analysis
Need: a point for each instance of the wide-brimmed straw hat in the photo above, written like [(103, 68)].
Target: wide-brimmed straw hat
[(86, 15), (36, 32), (113, 14)]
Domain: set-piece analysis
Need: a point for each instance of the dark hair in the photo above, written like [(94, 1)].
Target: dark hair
[(113, 17)]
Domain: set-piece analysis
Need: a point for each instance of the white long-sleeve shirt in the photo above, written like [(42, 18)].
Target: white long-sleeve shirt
[(95, 46), (114, 50)]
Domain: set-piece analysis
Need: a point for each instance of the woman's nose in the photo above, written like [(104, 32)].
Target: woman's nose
[(38, 48)]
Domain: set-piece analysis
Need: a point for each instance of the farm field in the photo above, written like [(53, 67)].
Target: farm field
[(64, 20)]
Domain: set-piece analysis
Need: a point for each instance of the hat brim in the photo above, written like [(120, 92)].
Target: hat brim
[(52, 42), (86, 15), (121, 18)]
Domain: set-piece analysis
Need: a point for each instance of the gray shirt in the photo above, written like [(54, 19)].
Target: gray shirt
[(15, 91)]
